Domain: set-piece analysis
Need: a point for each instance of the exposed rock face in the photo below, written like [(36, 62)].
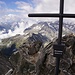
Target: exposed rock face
[(34, 59), (5, 65), (31, 56), (68, 61), (7, 51)]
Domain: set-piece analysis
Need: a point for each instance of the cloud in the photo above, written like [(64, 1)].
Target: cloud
[(1, 2), (39, 6), (24, 6), (42, 6), (69, 6), (47, 6), (17, 30), (50, 6), (2, 8), (22, 9), (36, 6)]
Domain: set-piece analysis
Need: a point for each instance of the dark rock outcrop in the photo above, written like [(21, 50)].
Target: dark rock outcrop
[(32, 58), (8, 51), (5, 66)]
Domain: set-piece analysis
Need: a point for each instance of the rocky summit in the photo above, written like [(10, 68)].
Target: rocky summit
[(33, 58)]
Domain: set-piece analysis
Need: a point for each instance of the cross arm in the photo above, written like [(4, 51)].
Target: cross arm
[(43, 15), (52, 15)]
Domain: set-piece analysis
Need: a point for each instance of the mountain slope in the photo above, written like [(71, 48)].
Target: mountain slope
[(32, 58), (50, 29)]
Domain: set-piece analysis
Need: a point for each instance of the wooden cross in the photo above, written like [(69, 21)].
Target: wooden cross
[(58, 49)]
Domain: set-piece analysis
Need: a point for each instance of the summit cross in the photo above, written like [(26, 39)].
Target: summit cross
[(58, 49)]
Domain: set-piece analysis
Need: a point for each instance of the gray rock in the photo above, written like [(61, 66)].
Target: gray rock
[(5, 65), (32, 58)]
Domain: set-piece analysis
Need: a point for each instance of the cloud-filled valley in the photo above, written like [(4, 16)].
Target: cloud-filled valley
[(14, 14)]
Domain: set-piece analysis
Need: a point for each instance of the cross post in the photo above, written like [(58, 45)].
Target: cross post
[(58, 48)]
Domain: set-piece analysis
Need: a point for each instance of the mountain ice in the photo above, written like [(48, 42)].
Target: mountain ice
[(46, 28), (8, 29)]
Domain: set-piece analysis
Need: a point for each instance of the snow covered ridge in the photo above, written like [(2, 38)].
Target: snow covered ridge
[(50, 29), (8, 29), (47, 28)]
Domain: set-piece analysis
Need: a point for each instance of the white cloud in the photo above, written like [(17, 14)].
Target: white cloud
[(20, 13), (13, 20), (47, 6), (1, 2), (2, 8), (24, 6), (39, 6), (69, 6), (53, 6)]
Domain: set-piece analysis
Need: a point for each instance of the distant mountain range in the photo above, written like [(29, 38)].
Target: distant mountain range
[(50, 29), (8, 25), (43, 31), (47, 29), (1, 28), (35, 47)]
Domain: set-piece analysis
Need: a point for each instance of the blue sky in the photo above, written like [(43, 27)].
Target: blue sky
[(11, 3), (26, 6), (18, 10), (21, 8), (14, 6)]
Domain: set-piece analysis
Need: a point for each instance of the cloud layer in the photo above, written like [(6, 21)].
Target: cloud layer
[(20, 13)]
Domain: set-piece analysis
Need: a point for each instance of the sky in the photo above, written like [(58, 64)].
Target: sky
[(23, 7), (15, 10), (19, 9)]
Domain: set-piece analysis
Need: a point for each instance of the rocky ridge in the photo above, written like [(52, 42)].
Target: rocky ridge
[(32, 58)]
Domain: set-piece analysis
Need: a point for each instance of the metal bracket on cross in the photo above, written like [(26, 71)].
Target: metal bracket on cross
[(58, 49)]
